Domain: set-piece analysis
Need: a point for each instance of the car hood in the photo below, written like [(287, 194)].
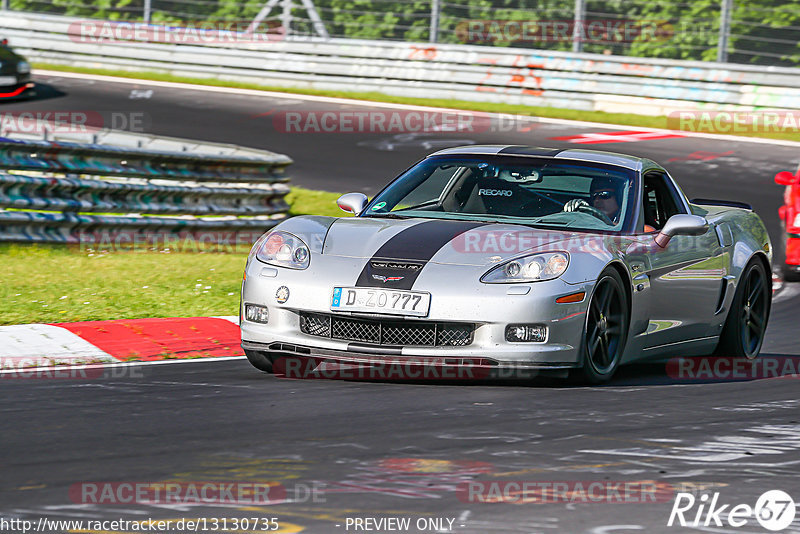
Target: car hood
[(440, 241)]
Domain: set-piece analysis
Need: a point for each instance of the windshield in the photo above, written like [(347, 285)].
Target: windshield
[(539, 192)]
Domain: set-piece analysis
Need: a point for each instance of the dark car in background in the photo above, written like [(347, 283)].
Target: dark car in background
[(15, 73)]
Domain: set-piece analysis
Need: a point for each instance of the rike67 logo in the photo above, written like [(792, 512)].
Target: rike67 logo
[(774, 510)]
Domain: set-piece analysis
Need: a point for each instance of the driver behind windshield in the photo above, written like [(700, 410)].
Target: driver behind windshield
[(604, 196), (481, 187)]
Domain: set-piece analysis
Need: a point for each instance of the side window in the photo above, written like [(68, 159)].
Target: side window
[(658, 202)]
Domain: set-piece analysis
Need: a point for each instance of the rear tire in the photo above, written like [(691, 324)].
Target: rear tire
[(743, 333), (606, 328), (259, 360)]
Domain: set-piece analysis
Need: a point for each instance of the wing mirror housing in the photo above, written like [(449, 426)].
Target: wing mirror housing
[(352, 202), (681, 224), (787, 178)]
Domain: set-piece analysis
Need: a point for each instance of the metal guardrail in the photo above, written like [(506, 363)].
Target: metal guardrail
[(465, 72), (98, 196), (70, 192)]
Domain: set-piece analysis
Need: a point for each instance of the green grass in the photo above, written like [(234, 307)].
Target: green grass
[(59, 283), (308, 201), (56, 283), (623, 119)]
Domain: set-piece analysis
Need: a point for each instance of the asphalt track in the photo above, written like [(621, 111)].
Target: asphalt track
[(377, 449)]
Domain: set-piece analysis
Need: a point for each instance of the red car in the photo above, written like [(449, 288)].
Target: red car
[(790, 216)]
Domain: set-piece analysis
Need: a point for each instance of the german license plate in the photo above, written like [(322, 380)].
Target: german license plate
[(376, 300), (8, 80)]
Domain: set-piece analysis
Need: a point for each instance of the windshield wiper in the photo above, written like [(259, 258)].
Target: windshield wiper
[(387, 216), (552, 223), (540, 221), (556, 226)]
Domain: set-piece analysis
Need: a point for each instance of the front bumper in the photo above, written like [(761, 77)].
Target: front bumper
[(295, 361), (490, 307), (21, 88)]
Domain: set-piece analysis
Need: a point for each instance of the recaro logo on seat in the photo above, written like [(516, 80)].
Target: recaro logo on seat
[(495, 192)]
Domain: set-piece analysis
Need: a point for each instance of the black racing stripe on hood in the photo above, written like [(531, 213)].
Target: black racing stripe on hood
[(406, 254)]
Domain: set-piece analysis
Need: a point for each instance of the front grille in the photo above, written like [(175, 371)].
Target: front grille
[(456, 335), (315, 325), (401, 334), (387, 332), (356, 330)]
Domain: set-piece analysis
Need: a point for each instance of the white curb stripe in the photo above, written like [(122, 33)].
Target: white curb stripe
[(42, 344)]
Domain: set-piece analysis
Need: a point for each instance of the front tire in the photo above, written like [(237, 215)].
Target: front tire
[(259, 360), (743, 333), (606, 328)]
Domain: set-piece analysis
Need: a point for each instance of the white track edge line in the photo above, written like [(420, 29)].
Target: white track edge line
[(369, 103)]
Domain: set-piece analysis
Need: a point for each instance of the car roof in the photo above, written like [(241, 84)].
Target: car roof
[(596, 156)]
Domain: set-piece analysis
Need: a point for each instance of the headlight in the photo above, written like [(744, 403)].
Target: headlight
[(533, 268), (282, 249), (23, 67)]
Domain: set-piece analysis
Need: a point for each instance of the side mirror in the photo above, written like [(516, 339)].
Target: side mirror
[(681, 224), (352, 202), (786, 178)]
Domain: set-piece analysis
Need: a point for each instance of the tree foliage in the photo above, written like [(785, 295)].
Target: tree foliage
[(765, 32)]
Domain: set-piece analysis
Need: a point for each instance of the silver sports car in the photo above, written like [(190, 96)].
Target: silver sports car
[(511, 259)]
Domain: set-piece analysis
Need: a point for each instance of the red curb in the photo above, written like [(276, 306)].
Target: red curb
[(160, 339)]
